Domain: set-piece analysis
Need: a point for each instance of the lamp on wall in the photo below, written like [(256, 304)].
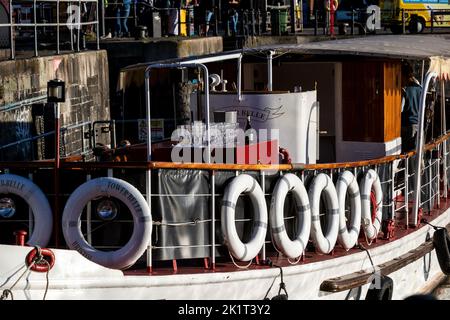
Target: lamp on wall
[(56, 93)]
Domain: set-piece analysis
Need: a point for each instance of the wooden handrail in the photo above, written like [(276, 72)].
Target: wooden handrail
[(70, 164)]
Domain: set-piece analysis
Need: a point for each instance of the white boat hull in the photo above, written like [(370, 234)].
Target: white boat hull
[(74, 277)]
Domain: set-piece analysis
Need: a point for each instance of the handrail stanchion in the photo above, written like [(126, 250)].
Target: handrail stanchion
[(36, 54), (443, 131), (89, 216), (419, 145), (97, 31), (316, 22), (102, 6), (148, 174), (438, 176), (79, 26), (57, 26), (432, 20), (352, 28), (213, 220), (392, 191), (71, 31), (403, 22), (406, 192), (263, 186), (11, 30)]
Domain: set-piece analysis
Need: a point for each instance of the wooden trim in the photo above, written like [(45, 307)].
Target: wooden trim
[(360, 278)]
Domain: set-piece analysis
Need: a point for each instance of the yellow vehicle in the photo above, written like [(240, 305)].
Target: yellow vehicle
[(418, 15)]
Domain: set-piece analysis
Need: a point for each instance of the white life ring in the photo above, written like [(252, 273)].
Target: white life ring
[(248, 185), (370, 181), (132, 198), (324, 243), (36, 199), (347, 185), (290, 248)]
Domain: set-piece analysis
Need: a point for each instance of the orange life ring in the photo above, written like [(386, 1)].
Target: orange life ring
[(40, 266)]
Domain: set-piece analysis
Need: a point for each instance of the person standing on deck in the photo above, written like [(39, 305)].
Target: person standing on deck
[(411, 91), (122, 13)]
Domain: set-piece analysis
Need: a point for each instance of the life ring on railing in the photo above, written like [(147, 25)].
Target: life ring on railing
[(291, 248), (347, 185), (36, 256), (371, 226), (324, 243), (441, 241), (132, 198), (244, 183), (37, 201)]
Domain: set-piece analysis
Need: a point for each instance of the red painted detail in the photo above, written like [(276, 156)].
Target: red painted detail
[(257, 259), (388, 229), (174, 265), (373, 201), (213, 266), (20, 237), (206, 262), (40, 266), (419, 216), (149, 270)]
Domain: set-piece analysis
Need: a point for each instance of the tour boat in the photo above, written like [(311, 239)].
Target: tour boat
[(315, 199)]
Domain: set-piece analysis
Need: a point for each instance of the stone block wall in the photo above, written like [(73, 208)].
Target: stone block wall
[(24, 112)]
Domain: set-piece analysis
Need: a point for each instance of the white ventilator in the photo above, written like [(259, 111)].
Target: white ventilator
[(296, 247), (142, 222), (324, 242), (244, 184), (36, 199), (347, 185), (369, 182)]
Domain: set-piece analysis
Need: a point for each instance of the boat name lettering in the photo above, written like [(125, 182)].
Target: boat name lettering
[(77, 247), (122, 190), (12, 184), (260, 114)]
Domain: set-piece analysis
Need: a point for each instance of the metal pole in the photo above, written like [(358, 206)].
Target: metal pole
[(403, 21), (239, 79), (79, 25), (352, 28), (292, 12), (71, 31), (406, 192), (57, 26), (30, 211), (316, 22), (102, 6), (11, 31), (269, 70), (36, 54), (438, 175), (419, 145), (332, 18), (392, 190), (263, 186), (56, 174), (213, 220), (88, 217), (97, 26), (443, 131), (148, 175)]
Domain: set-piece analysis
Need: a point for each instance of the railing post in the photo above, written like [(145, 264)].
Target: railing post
[(432, 20), (213, 220), (11, 31), (438, 177), (97, 33), (352, 28), (79, 25), (36, 54), (89, 217), (263, 187), (392, 191), (403, 21), (57, 26), (30, 211), (316, 22), (444, 131), (430, 185), (406, 192), (102, 16), (71, 31)]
